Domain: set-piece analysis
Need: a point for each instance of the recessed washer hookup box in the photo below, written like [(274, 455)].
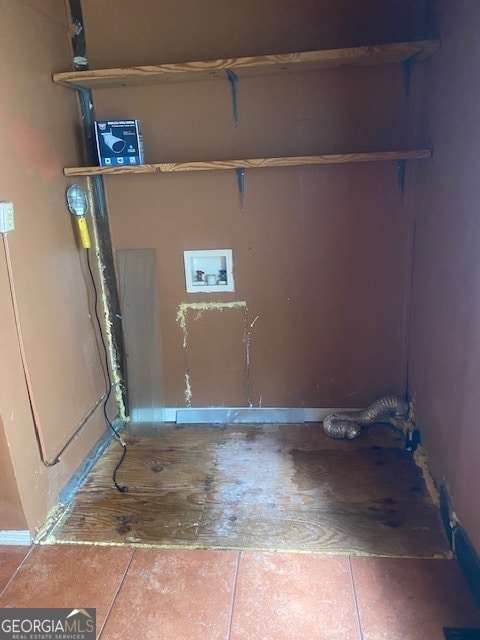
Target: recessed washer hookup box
[(119, 142)]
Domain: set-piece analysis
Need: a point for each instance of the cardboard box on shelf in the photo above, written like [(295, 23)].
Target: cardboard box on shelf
[(119, 142)]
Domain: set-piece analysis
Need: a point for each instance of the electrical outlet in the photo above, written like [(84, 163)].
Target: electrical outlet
[(7, 219)]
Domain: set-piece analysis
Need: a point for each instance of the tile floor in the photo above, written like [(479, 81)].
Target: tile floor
[(181, 594)]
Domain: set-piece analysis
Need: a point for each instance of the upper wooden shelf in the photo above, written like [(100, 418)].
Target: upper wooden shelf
[(254, 65), (252, 163)]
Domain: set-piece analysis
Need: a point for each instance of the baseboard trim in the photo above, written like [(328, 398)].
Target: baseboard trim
[(461, 633), (69, 490), (463, 550), (230, 415), (445, 511), (239, 415), (153, 415), (468, 559), (14, 538)]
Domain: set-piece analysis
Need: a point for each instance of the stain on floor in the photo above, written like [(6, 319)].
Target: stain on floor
[(269, 487)]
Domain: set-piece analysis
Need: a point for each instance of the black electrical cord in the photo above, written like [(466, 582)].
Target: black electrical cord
[(121, 488)]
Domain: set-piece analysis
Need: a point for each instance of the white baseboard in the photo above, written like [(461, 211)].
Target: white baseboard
[(152, 414), (12, 538), (231, 415), (239, 415)]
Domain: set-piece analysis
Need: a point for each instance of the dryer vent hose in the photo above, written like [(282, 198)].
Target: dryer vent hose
[(348, 424)]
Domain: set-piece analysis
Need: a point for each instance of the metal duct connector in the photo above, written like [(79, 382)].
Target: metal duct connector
[(348, 424)]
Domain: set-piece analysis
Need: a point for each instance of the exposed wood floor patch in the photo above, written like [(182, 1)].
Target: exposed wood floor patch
[(268, 487)]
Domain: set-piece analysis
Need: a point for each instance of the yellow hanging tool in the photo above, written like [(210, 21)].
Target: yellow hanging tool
[(78, 205)]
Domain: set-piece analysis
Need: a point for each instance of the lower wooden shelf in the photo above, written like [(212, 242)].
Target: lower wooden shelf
[(251, 163)]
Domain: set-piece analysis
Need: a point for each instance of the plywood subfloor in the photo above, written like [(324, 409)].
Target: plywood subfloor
[(275, 487)]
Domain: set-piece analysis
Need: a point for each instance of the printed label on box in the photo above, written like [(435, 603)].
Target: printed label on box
[(119, 142)]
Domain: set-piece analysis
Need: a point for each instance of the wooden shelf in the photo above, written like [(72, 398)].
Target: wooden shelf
[(395, 53), (252, 163)]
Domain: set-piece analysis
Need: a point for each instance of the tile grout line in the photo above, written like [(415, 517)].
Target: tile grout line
[(234, 593), (27, 555), (114, 599), (355, 598)]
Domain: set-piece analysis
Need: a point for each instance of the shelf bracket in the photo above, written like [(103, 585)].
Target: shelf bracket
[(401, 171), (233, 79), (240, 173)]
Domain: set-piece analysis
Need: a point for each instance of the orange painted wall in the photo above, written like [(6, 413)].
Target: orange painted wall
[(148, 31), (445, 326), (39, 128), (321, 254)]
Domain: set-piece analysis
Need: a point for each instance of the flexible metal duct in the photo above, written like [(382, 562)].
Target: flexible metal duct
[(348, 424)]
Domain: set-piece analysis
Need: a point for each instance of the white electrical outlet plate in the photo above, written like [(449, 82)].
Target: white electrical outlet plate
[(7, 219)]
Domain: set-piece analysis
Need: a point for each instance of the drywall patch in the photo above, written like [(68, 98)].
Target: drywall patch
[(54, 515), (188, 387), (181, 318), (113, 357), (407, 426), (248, 337), (412, 434), (204, 306), (421, 461)]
